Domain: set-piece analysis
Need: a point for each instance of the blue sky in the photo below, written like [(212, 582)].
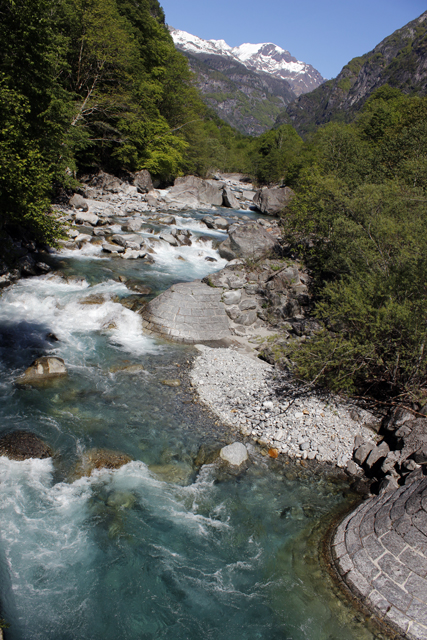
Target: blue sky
[(325, 34)]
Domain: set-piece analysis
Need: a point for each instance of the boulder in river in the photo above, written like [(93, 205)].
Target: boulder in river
[(272, 201), (194, 192), (78, 202), (248, 241), (229, 199), (42, 370), (84, 217), (100, 459), (143, 182), (174, 382), (188, 312), (177, 473), (234, 454), (22, 445), (132, 225)]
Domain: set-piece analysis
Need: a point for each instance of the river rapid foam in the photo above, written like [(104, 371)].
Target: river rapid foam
[(160, 548)]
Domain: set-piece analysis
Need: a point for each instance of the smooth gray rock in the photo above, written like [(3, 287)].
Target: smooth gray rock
[(363, 452), (188, 312), (118, 239), (232, 297), (234, 454), (168, 220), (247, 305), (353, 469), (229, 199), (248, 241), (377, 454), (273, 200), (194, 192), (221, 223), (132, 225), (112, 248), (78, 202), (209, 222), (246, 318), (84, 217), (167, 237)]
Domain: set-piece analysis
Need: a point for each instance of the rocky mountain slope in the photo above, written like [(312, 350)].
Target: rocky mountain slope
[(400, 60), (248, 86)]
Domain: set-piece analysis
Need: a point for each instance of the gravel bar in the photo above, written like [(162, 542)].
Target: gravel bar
[(247, 393)]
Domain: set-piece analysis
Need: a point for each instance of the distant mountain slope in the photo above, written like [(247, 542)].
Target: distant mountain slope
[(400, 60), (247, 86), (262, 58)]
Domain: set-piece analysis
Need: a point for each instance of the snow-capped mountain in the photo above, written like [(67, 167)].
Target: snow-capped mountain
[(262, 58)]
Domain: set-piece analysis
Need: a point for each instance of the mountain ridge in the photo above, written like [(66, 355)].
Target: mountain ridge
[(399, 60), (265, 57), (246, 85)]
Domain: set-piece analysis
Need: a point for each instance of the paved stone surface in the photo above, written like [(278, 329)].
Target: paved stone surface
[(188, 312), (380, 551)]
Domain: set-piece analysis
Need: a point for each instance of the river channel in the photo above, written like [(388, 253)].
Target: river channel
[(157, 549)]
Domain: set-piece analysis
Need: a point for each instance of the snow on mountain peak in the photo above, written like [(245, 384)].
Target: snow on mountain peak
[(194, 44), (264, 57)]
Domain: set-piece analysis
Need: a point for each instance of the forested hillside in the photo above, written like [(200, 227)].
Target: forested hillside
[(358, 221), (399, 61), (90, 84)]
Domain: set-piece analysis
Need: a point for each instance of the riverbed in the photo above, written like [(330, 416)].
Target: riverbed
[(160, 548)]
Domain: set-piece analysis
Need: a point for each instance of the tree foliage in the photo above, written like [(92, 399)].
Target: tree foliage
[(359, 218), (90, 84)]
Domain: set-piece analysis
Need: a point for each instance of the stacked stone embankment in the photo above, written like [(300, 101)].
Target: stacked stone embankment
[(380, 551)]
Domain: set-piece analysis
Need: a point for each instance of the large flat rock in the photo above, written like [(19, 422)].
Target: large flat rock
[(188, 312)]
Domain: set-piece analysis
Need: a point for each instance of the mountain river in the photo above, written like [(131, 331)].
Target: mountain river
[(156, 549)]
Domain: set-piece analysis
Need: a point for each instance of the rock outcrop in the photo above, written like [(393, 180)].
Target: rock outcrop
[(22, 445), (250, 241), (399, 61), (189, 312), (43, 370), (274, 200)]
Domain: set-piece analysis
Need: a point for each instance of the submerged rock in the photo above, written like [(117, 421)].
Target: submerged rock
[(171, 383), (22, 445), (176, 473), (234, 454), (121, 500), (42, 370), (93, 298), (127, 368), (100, 459)]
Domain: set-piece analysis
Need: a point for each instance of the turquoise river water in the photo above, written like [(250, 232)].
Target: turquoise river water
[(157, 549)]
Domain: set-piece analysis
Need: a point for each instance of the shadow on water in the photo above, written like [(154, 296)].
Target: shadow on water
[(22, 342)]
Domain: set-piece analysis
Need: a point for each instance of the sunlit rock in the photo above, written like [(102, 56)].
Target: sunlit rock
[(234, 454), (43, 369)]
